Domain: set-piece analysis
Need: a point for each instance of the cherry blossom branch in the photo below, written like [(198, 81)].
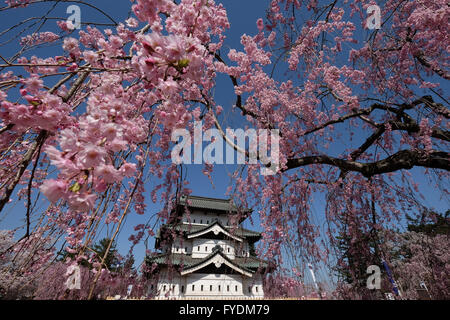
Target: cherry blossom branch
[(97, 276), (6, 128), (40, 140), (70, 1), (30, 184), (22, 166), (424, 61), (130, 198), (403, 159)]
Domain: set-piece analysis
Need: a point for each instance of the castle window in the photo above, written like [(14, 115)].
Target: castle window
[(206, 248), (228, 288), (201, 221), (236, 288), (185, 249), (210, 288), (182, 289), (164, 287), (218, 288), (193, 287), (198, 248), (201, 288), (256, 288)]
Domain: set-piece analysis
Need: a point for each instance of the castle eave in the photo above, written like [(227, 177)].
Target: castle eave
[(191, 231), (215, 228), (186, 262), (217, 258)]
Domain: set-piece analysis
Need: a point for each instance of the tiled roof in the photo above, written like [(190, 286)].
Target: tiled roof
[(209, 203), (241, 266), (187, 261), (240, 232), (250, 262), (174, 259), (191, 228)]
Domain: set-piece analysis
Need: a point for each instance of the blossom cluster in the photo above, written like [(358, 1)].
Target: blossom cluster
[(39, 38)]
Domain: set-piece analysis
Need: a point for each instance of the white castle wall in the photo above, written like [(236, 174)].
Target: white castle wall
[(214, 286), (198, 217), (201, 285), (200, 248), (182, 246), (203, 247)]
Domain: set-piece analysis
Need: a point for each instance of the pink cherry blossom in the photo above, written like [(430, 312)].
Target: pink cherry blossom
[(91, 156), (54, 189), (128, 169), (108, 173), (82, 202)]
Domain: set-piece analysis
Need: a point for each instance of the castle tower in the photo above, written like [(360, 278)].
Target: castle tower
[(206, 253)]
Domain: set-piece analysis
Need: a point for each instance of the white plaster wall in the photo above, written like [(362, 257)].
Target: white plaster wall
[(169, 287), (200, 248), (221, 285), (206, 246), (242, 249), (182, 246), (198, 217), (215, 286), (254, 286)]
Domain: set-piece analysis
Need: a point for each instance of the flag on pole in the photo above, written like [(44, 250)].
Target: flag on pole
[(312, 275), (391, 279)]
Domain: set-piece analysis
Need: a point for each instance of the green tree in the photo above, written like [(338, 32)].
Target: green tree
[(63, 255), (430, 223), (112, 260)]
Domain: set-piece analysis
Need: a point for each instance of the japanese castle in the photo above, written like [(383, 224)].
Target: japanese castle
[(206, 253)]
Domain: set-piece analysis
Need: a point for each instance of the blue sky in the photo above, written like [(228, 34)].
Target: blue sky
[(242, 16)]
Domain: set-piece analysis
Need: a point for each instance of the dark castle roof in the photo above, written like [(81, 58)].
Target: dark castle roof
[(208, 203), (250, 264), (184, 230), (213, 204), (188, 229), (218, 206)]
